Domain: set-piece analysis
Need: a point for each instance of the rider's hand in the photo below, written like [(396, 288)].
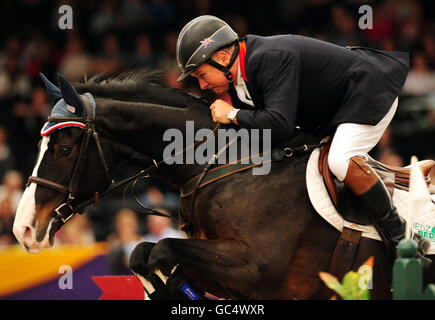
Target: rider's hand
[(219, 111)]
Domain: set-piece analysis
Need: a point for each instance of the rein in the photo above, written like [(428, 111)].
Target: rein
[(163, 161)]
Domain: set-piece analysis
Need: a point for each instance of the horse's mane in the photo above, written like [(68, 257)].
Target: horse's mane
[(137, 86)]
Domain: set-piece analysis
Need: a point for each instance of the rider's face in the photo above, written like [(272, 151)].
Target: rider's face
[(211, 78)]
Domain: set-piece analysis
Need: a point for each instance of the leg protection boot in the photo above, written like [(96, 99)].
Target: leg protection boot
[(183, 287)]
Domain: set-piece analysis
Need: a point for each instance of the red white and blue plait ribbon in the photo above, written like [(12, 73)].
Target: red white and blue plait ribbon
[(46, 130)]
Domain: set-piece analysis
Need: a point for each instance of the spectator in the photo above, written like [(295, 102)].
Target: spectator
[(104, 19), (131, 13), (109, 62), (409, 17), (123, 241), (420, 81), (153, 197), (7, 161), (168, 60), (160, 12), (345, 32), (143, 56), (44, 58), (76, 231), (13, 82), (382, 25), (10, 195), (12, 48), (76, 63), (28, 121), (161, 228)]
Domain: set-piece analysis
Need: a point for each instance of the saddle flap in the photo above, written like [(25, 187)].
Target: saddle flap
[(343, 199), (327, 175)]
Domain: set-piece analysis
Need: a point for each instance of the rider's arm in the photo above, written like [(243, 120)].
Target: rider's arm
[(277, 80)]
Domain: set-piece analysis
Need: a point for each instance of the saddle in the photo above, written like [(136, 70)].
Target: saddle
[(344, 200), (346, 204)]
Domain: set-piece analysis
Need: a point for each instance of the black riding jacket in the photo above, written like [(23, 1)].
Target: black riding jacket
[(300, 81)]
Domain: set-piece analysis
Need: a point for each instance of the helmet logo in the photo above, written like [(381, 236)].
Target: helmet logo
[(206, 42)]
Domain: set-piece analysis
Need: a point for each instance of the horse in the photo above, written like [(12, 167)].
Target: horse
[(250, 236)]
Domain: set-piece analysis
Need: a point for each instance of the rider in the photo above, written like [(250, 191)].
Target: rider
[(284, 81)]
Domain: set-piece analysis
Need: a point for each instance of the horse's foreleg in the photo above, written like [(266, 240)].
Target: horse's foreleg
[(228, 262)]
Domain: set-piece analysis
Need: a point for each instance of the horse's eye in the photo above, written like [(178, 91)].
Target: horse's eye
[(65, 151)]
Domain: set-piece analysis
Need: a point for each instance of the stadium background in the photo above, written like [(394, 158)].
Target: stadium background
[(112, 36)]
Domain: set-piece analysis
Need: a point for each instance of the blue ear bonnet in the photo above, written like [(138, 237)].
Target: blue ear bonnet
[(67, 103), (63, 109)]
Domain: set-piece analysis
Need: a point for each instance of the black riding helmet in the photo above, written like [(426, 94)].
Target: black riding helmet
[(199, 40)]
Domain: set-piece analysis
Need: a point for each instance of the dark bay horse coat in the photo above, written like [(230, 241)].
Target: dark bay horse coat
[(295, 80)]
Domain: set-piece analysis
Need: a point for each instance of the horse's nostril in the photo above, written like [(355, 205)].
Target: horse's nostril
[(27, 235)]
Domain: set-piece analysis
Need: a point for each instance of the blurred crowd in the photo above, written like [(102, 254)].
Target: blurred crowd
[(111, 36)]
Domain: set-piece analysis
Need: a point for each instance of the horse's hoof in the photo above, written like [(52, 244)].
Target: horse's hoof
[(139, 258)]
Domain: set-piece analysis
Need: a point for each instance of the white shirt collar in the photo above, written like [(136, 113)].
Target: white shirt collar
[(242, 89)]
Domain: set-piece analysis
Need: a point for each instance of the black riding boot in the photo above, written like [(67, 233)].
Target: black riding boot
[(373, 196)]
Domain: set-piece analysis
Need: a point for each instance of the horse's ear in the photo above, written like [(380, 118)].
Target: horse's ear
[(54, 94), (71, 96)]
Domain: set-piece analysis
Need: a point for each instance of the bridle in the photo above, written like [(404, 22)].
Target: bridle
[(67, 210)]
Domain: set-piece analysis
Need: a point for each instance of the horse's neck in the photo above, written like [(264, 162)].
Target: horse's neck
[(138, 129)]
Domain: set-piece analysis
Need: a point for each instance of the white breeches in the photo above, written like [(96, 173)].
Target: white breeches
[(353, 139)]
